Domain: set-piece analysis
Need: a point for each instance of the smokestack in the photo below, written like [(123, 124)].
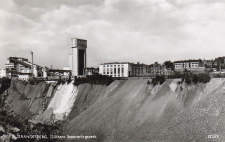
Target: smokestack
[(32, 63)]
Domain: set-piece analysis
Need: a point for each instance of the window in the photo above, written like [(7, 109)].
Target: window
[(111, 70), (122, 70), (103, 70), (118, 70), (107, 70), (114, 70)]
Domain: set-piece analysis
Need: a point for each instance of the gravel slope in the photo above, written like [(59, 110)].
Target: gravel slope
[(135, 111)]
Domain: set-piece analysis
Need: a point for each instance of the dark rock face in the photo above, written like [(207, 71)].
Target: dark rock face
[(134, 111), (29, 100)]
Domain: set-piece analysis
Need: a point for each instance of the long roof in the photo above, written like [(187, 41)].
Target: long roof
[(184, 61), (115, 63)]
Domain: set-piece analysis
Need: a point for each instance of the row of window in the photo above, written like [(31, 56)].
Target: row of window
[(116, 70), (122, 75), (112, 65)]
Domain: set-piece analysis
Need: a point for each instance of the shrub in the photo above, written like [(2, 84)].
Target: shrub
[(187, 78), (204, 78), (195, 79), (159, 79), (6, 82)]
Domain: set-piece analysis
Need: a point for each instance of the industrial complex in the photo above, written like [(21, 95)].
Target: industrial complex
[(22, 69)]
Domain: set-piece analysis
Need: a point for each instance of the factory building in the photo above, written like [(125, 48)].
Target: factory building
[(22, 69), (18, 65)]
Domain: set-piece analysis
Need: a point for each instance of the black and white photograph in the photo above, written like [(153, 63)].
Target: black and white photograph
[(112, 71)]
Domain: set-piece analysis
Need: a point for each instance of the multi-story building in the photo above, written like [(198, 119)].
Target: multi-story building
[(115, 69), (189, 65), (124, 69), (156, 69), (139, 69)]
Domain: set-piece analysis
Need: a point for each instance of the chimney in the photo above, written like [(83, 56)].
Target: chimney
[(32, 63)]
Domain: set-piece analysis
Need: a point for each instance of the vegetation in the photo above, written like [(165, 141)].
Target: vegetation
[(189, 77), (94, 79), (5, 84), (26, 128), (196, 78), (159, 79), (175, 75), (10, 121), (169, 64)]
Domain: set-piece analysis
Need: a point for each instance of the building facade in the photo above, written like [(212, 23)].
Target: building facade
[(139, 69), (189, 65), (24, 76), (115, 69), (3, 73)]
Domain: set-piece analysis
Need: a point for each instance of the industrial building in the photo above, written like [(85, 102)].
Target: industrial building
[(78, 57), (115, 69), (21, 68)]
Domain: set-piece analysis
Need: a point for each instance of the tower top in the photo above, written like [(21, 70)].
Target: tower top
[(78, 43)]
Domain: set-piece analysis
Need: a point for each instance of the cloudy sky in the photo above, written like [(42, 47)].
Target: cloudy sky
[(116, 30)]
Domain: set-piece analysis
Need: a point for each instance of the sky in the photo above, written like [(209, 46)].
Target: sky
[(142, 31)]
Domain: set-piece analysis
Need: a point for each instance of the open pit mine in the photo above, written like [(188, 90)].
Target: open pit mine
[(126, 110)]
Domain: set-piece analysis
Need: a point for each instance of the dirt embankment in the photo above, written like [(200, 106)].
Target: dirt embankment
[(29, 100), (87, 95), (134, 111)]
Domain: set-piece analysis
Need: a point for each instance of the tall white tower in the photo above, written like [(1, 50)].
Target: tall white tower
[(78, 58)]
